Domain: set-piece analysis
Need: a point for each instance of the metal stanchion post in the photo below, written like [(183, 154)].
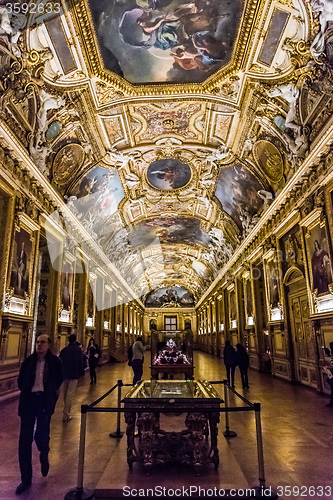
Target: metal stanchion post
[(262, 491), (227, 433), (79, 493), (118, 433)]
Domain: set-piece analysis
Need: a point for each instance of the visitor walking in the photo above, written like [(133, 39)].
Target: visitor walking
[(39, 381), (137, 360), (242, 360), (93, 354), (229, 357), (73, 365)]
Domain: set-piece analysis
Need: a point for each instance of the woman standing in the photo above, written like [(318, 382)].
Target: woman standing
[(93, 354)]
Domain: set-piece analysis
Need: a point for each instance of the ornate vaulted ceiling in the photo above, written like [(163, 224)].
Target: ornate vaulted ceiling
[(168, 127)]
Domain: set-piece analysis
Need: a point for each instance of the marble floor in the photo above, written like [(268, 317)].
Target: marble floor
[(296, 424)]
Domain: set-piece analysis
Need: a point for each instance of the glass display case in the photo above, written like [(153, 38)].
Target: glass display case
[(171, 354), (187, 435)]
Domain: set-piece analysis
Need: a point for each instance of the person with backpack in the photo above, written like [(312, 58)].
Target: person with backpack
[(136, 361)]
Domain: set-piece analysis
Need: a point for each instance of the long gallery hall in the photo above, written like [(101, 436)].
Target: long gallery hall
[(166, 193)]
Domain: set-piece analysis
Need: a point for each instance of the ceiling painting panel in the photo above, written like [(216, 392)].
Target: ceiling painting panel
[(179, 230), (166, 40), (168, 174), (172, 297), (95, 198), (58, 37), (237, 189)]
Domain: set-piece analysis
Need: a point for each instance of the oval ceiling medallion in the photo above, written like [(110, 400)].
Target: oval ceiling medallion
[(269, 159), (68, 160), (168, 174)]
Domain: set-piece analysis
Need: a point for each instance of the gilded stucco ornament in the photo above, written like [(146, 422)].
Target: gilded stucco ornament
[(229, 88), (68, 160), (106, 93), (115, 157), (270, 160), (298, 51)]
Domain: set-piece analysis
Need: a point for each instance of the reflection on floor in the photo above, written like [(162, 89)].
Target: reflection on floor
[(297, 435)]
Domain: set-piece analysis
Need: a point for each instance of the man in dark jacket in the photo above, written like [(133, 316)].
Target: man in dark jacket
[(39, 381), (242, 359), (73, 365)]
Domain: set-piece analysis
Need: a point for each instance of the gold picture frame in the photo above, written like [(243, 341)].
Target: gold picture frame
[(67, 288), (22, 269), (273, 289), (248, 302), (232, 306), (319, 256)]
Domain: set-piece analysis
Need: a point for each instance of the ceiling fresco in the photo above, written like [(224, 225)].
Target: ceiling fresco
[(95, 198), (165, 40), (186, 230), (168, 174), (237, 189), (171, 297), (167, 127)]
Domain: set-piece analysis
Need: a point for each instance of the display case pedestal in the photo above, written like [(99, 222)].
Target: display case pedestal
[(159, 439)]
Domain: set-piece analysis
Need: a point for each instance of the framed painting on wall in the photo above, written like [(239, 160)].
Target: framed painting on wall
[(329, 207), (248, 301), (20, 277), (319, 258), (221, 312), (232, 309), (22, 268), (66, 290), (107, 308), (273, 290), (91, 293)]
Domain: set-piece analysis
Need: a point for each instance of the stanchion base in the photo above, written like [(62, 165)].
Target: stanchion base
[(265, 492), (229, 434), (79, 494), (116, 434)]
